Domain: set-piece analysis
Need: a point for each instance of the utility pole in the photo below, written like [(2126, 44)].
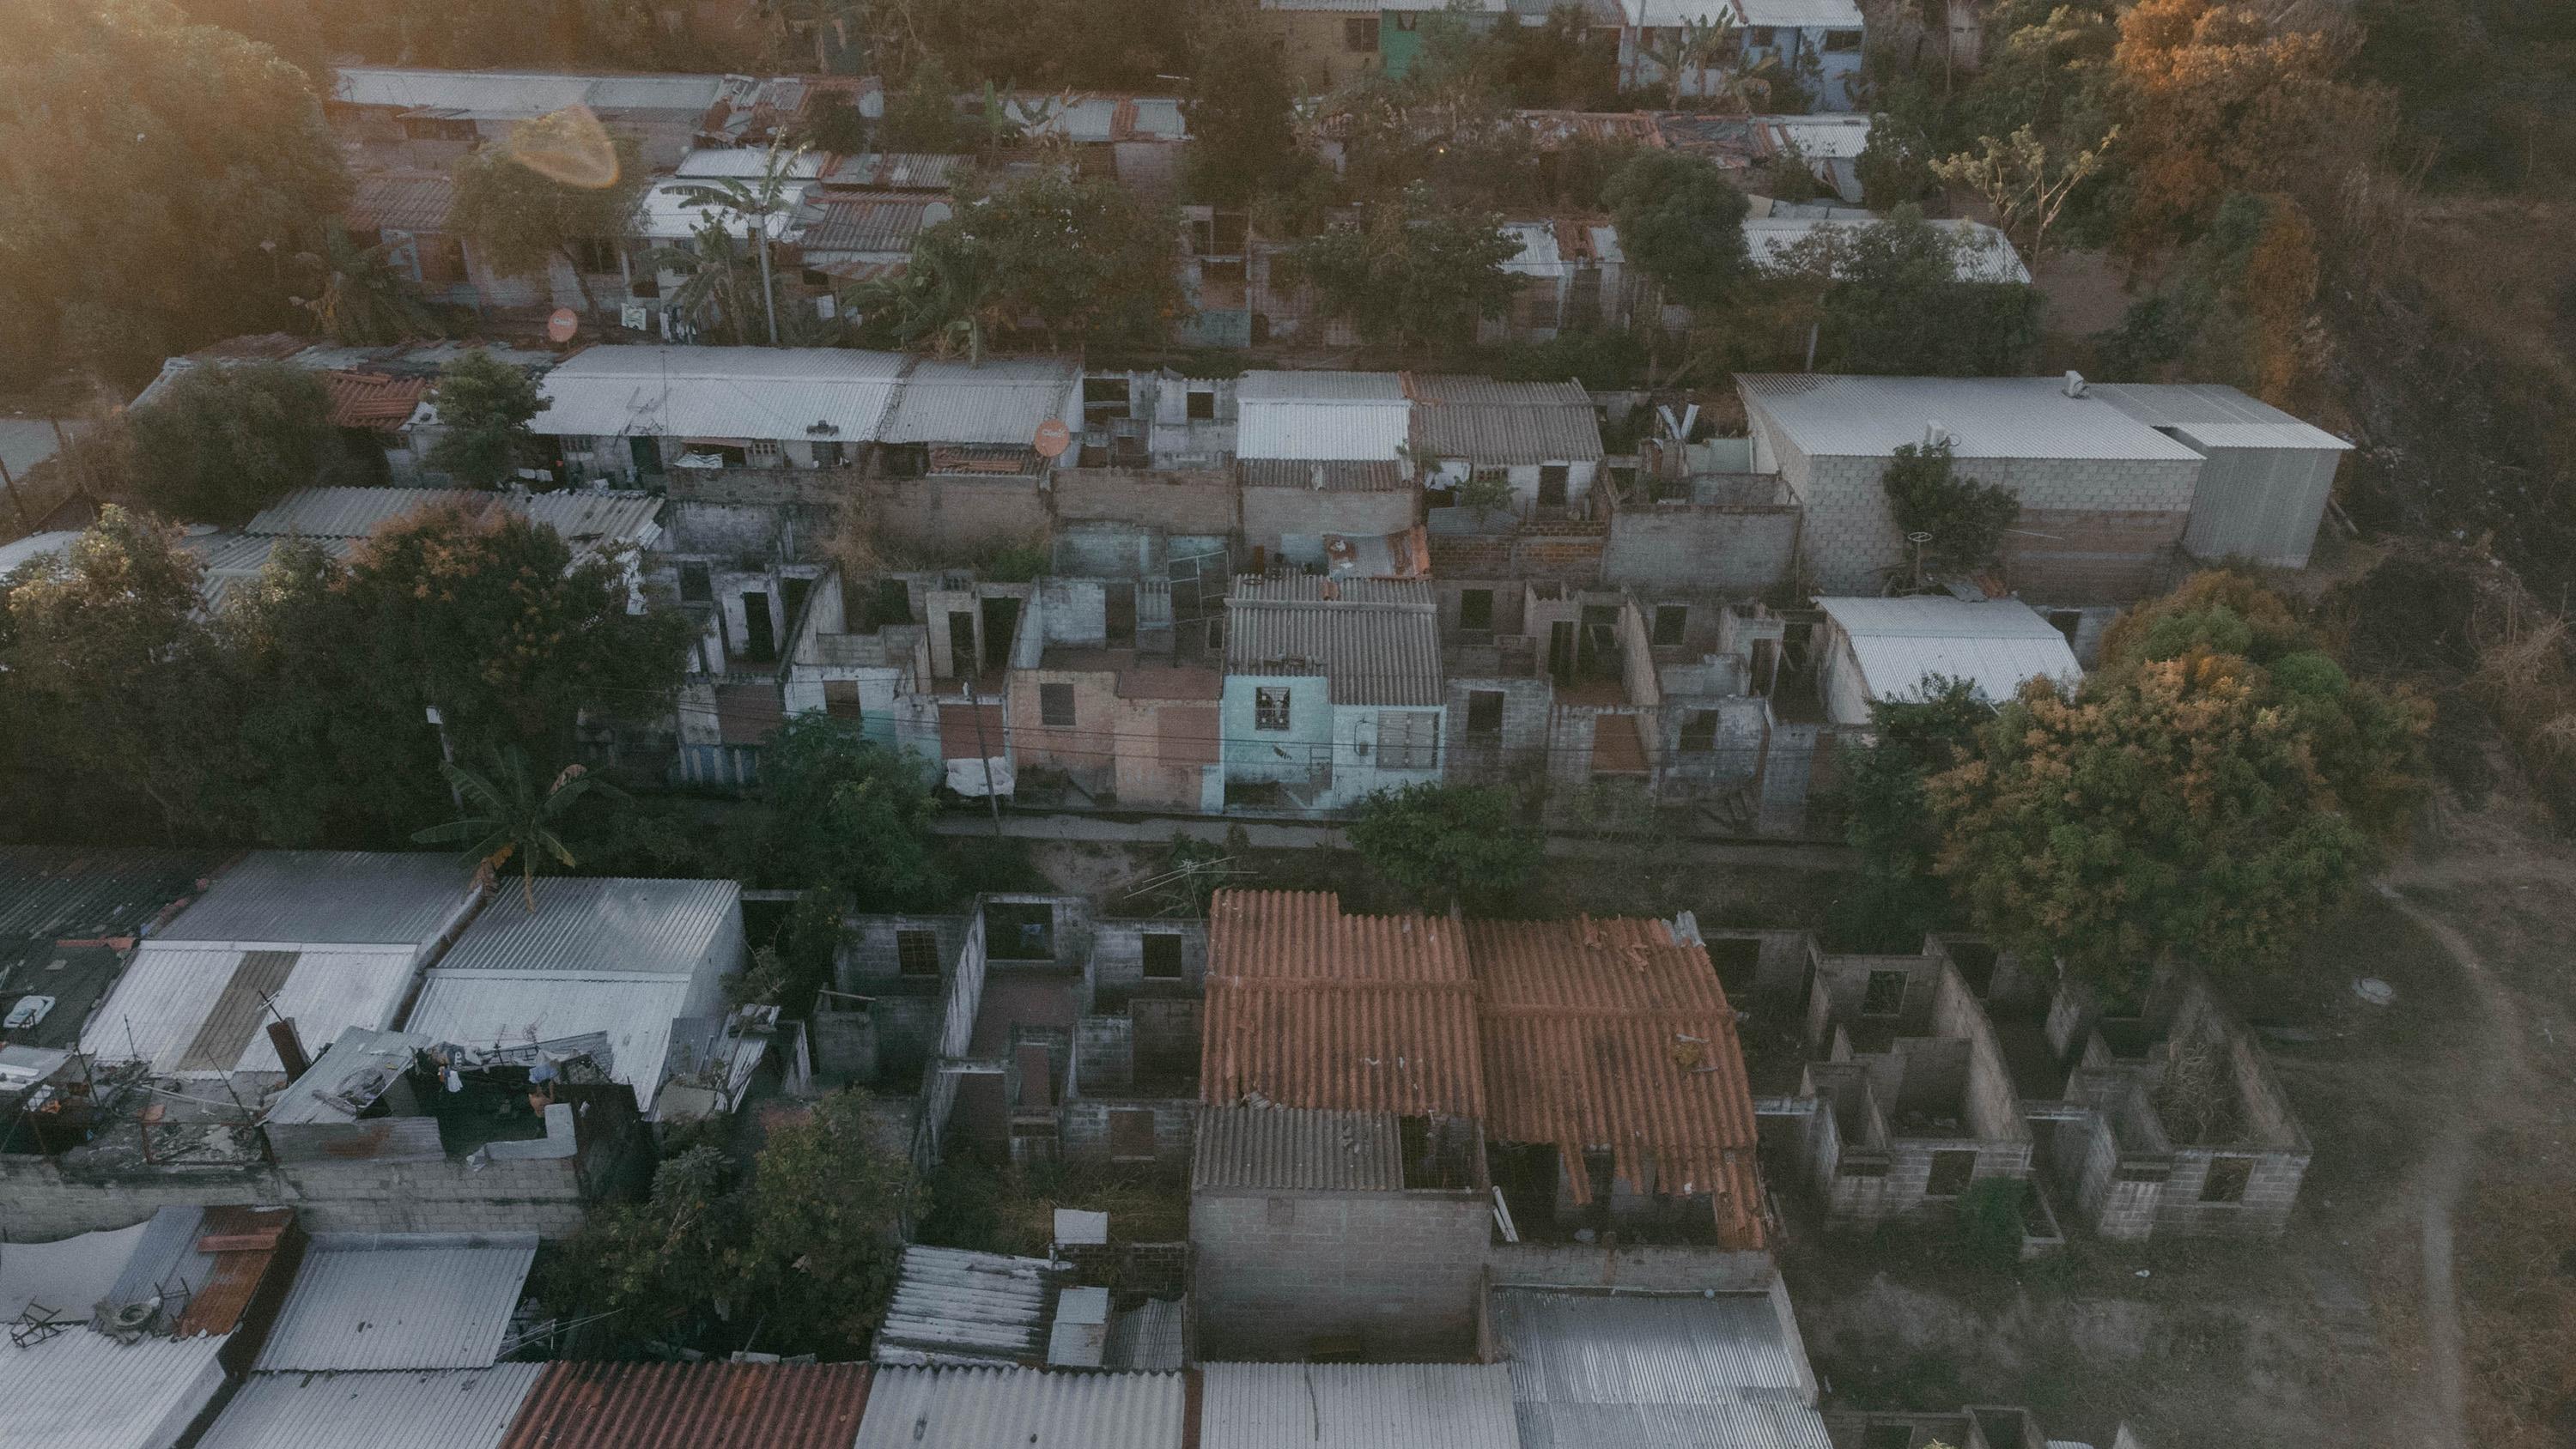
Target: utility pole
[(447, 753), (15, 501), (983, 750), (768, 293)]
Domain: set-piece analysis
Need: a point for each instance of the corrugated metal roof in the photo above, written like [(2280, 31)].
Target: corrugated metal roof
[(400, 1301), (693, 1406), (1375, 641), (777, 393), (989, 1408), (600, 521), (1310, 1007), (745, 163), (1356, 1406), (676, 211), (1001, 402), (507, 95), (869, 224), (1672, 1426), (354, 512), (1983, 254), (1289, 1148), (70, 1275), (84, 1390), (1985, 417), (50, 894), (352, 1072), (1148, 1337), (1504, 423), (491, 1009), (599, 926), (17, 552), (371, 400), (450, 1409), (894, 171), (412, 201), (200, 1010), (956, 1307), (1345, 475), (343, 897), (1994, 644), (1603, 1033), (2214, 415), (1079, 1336), (1325, 416), (1655, 1371)]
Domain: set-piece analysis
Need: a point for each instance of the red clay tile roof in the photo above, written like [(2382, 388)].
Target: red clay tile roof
[(1605, 1034), (372, 400), (1308, 1007), (692, 1406), (412, 201)]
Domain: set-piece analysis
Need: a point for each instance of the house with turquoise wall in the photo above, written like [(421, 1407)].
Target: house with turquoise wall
[(1333, 691)]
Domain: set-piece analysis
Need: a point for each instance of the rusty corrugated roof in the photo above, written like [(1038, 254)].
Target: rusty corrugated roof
[(373, 400), (243, 1242), (1603, 1033), (693, 1406), (1310, 1007)]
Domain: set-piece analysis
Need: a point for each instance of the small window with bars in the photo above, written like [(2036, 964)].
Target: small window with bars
[(1055, 706), (916, 953)]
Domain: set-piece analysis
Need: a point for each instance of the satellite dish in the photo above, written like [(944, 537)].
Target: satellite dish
[(1053, 438), (562, 325)]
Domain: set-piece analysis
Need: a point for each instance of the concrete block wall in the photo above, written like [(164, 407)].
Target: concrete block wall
[(1521, 744), (1083, 1128), (870, 955), (1118, 957), (1176, 501), (40, 1202), (1746, 550), (1270, 514), (1104, 1055), (1662, 1269), (2271, 1190), (1398, 1271), (1900, 1192)]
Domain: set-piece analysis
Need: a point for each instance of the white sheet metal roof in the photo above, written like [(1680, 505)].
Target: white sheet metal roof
[(2215, 415), (400, 1301), (488, 1009), (1321, 416), (1799, 14), (979, 1408), (951, 1306), (594, 521), (599, 927), (502, 95), (1655, 1371), (1079, 1336), (35, 546), (1994, 644), (744, 163), (1983, 253), (1831, 135), (448, 1409), (1148, 1336), (68, 1275), (197, 1010), (25, 442), (1356, 1406), (1985, 417), (669, 211), (84, 1390), (355, 1068), (1001, 402), (798, 394), (1099, 119), (292, 898), (601, 521), (1294, 1148)]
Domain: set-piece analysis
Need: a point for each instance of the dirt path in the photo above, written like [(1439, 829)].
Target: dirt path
[(2443, 1178)]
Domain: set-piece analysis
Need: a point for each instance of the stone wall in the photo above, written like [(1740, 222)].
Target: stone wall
[(1397, 1271)]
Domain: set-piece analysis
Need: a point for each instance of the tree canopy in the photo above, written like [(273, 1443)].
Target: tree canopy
[(1965, 518), (522, 220), (1907, 298), (1448, 844), (484, 405), (221, 442), (1413, 273), (160, 179), (1682, 222), (1077, 260), (2206, 795), (843, 814)]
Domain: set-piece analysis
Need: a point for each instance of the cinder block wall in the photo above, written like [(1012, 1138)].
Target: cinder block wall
[(1399, 1271), (39, 1202), (1083, 1128)]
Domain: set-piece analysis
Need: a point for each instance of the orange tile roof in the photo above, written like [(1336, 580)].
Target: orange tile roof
[(1309, 1007), (372, 400), (692, 1406), (1605, 1034)]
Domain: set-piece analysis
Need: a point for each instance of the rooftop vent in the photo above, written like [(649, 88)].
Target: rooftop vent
[(2074, 383)]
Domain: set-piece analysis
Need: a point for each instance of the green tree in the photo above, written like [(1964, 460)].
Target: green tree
[(1448, 844), (1242, 113), (2027, 180), (1082, 260), (484, 405), (1682, 222), (922, 114), (946, 302), (522, 219), (1907, 298), (2207, 795), (363, 301), (221, 443), (108, 675), (160, 177), (1897, 896), (760, 207), (1966, 519), (1413, 274), (509, 816), (842, 813)]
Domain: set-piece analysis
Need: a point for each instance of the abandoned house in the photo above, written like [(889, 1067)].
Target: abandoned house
[(1332, 691)]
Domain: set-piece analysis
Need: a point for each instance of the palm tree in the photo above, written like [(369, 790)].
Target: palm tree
[(945, 297), (1689, 46), (720, 278), (507, 816), (757, 203), (364, 301)]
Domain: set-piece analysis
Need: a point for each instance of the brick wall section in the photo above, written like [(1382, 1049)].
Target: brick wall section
[(1156, 1270), (1175, 502), (1398, 1271)]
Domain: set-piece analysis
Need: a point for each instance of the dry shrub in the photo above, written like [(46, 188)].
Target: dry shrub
[(2518, 1312)]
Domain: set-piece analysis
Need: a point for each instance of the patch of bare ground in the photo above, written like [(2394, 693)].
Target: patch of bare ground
[(2426, 1294)]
